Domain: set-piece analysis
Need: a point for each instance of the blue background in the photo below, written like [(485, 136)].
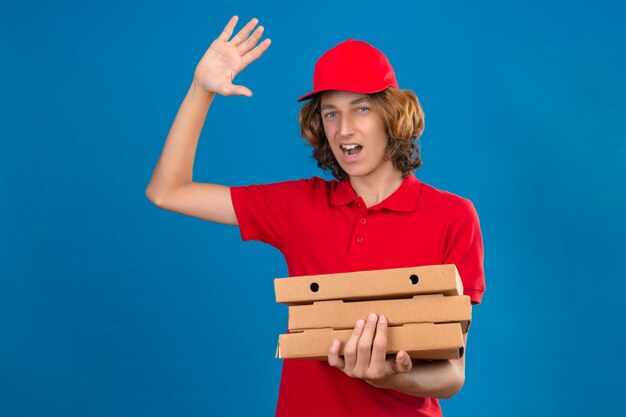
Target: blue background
[(110, 306)]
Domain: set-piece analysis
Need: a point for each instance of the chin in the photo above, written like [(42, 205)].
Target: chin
[(356, 172)]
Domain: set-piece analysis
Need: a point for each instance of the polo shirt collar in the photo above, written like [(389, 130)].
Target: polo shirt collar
[(404, 199)]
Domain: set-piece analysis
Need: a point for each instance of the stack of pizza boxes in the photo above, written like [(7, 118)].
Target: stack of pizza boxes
[(426, 310)]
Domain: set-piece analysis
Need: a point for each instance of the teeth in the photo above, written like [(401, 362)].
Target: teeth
[(348, 147)]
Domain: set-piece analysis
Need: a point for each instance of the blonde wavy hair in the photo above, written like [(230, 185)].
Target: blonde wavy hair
[(404, 122)]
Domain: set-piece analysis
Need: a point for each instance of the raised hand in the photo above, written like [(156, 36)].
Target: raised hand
[(226, 58)]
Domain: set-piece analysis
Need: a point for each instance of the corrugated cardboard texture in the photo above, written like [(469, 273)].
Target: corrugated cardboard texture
[(337, 314), (420, 341), (379, 284)]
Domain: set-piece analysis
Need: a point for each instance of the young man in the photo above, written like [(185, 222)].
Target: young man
[(375, 215)]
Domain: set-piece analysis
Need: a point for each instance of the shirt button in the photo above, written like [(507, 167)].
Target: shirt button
[(359, 239), (363, 221)]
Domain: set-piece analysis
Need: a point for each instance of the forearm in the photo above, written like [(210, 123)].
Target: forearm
[(175, 166), (439, 379)]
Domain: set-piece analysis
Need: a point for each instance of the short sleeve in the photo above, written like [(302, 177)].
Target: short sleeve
[(464, 248), (262, 210)]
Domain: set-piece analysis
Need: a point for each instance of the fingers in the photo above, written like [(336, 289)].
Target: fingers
[(256, 53), (379, 346), (251, 41), (242, 35), (245, 43), (350, 350), (364, 355), (364, 347), (228, 30)]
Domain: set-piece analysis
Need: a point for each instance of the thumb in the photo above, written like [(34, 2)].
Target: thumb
[(237, 90), (403, 362)]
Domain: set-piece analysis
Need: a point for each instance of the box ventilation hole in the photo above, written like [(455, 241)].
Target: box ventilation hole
[(414, 279), (315, 287)]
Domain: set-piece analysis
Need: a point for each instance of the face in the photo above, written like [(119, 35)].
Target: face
[(356, 133)]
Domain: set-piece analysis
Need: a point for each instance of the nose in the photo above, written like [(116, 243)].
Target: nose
[(346, 127)]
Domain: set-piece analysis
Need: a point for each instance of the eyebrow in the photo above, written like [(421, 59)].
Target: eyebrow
[(331, 106)]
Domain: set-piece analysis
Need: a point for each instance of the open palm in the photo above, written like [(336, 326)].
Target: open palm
[(226, 58)]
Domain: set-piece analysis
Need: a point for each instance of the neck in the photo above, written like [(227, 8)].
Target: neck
[(374, 189)]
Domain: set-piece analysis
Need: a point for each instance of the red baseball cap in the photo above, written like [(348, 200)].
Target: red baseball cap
[(354, 66)]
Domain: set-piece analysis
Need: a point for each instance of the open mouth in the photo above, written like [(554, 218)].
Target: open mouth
[(351, 148)]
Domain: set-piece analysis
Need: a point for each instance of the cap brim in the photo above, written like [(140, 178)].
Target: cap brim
[(309, 95), (371, 91)]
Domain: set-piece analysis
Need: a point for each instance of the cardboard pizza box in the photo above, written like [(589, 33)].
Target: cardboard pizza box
[(338, 314), (364, 285), (419, 340)]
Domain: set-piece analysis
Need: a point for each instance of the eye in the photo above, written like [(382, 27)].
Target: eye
[(362, 109), (329, 115)]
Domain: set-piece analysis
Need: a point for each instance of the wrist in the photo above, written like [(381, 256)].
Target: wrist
[(396, 382), (197, 88)]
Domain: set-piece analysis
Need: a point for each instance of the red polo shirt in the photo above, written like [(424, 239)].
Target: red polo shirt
[(323, 227)]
